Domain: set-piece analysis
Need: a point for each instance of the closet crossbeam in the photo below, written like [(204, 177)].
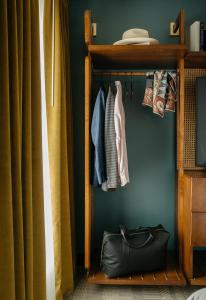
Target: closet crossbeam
[(98, 73)]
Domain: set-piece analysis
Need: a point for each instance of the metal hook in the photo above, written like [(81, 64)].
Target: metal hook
[(131, 87), (126, 89), (110, 81), (101, 83), (101, 80)]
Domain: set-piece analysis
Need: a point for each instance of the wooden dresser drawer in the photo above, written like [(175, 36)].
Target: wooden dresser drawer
[(198, 194), (199, 229)]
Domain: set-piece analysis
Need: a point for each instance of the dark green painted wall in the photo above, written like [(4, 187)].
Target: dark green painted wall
[(149, 199)]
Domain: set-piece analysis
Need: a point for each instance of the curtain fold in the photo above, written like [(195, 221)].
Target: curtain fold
[(22, 245), (59, 118)]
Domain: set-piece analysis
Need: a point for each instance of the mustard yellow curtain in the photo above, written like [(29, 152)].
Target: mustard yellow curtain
[(59, 118), (22, 247)]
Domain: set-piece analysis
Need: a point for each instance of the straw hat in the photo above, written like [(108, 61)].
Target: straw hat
[(136, 36)]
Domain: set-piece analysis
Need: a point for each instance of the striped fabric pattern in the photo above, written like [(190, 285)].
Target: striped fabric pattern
[(110, 144), (119, 123)]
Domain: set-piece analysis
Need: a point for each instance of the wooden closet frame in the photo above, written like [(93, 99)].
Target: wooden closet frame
[(104, 57)]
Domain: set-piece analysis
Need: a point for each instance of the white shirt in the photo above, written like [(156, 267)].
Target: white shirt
[(119, 122)]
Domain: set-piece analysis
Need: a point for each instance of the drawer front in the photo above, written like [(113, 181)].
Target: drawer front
[(199, 229), (199, 194)]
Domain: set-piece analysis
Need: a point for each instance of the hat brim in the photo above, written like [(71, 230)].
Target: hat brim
[(137, 41)]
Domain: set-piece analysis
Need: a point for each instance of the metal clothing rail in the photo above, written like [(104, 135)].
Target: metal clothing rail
[(111, 73)]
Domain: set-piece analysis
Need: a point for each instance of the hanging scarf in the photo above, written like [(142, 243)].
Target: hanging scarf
[(160, 92)]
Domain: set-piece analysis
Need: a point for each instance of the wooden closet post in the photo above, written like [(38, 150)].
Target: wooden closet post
[(180, 156), (88, 36), (88, 187), (187, 260), (180, 24)]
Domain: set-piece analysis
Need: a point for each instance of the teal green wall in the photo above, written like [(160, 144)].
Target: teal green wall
[(149, 199)]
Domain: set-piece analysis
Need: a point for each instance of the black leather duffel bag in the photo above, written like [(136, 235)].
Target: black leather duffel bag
[(133, 251)]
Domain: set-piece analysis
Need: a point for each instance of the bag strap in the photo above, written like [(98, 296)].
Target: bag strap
[(147, 240)]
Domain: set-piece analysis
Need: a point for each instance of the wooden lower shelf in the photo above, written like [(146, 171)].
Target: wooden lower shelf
[(172, 275), (199, 269)]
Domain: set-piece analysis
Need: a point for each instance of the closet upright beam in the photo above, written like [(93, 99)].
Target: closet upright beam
[(179, 24), (88, 187), (88, 35), (180, 157), (181, 115), (182, 26)]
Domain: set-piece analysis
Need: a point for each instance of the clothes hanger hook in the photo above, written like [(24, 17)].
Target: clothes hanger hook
[(131, 87)]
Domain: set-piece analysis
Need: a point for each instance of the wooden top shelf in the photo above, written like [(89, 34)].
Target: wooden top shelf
[(136, 56), (195, 60)]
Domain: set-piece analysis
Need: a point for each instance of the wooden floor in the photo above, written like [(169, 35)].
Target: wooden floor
[(199, 269), (171, 276)]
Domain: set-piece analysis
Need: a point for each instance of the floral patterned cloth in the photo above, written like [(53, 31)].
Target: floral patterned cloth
[(148, 96), (160, 92), (171, 95)]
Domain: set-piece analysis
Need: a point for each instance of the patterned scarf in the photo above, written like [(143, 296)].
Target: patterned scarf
[(160, 92)]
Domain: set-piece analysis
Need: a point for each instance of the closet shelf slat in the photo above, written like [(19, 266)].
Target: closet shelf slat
[(172, 275)]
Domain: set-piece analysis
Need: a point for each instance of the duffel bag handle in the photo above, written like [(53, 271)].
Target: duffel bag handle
[(148, 239)]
